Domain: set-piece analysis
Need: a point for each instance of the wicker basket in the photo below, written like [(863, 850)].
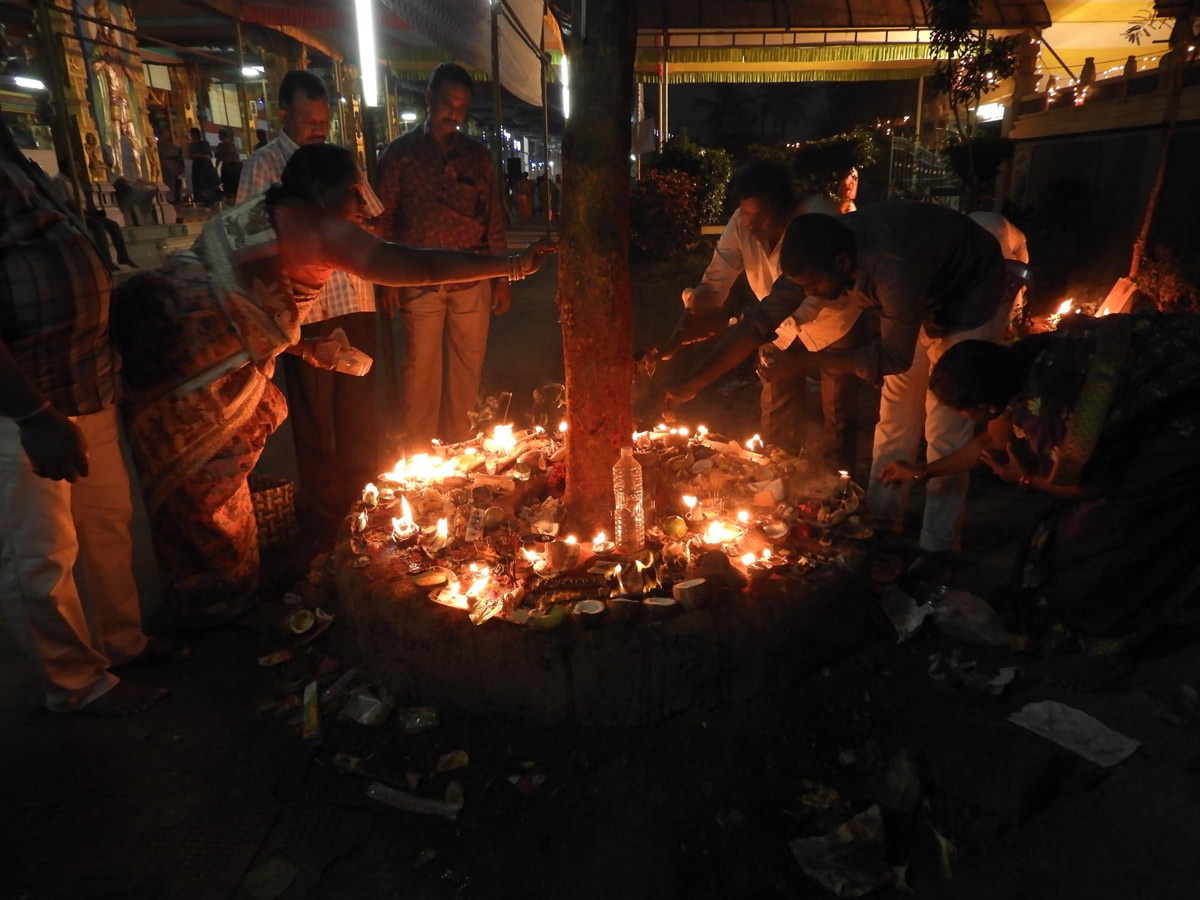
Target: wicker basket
[(274, 502)]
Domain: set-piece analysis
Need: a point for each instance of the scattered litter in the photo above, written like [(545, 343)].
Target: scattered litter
[(1076, 731), (850, 861), (311, 722), (412, 803), (985, 679), (965, 617), (271, 879), (946, 849), (274, 659), (367, 708), (455, 759), (905, 615), (416, 719), (323, 621), (335, 690), (819, 796), (529, 783)]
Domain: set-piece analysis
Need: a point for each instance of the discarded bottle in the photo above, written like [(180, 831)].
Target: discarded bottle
[(629, 517)]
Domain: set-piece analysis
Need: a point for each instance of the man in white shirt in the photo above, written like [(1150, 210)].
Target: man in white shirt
[(333, 414), (750, 243)]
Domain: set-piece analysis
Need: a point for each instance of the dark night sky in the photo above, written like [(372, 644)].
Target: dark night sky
[(830, 108)]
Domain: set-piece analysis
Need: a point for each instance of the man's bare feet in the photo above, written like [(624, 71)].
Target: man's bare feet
[(158, 650), (127, 698)]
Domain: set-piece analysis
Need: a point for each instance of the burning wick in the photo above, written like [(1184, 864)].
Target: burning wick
[(755, 443), (843, 487), (370, 496), (562, 427), (601, 543), (747, 559), (692, 505), (716, 533), (743, 516), (404, 528), (360, 523)]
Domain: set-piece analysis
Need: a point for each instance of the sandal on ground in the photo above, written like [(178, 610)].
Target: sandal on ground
[(127, 698), (159, 650)]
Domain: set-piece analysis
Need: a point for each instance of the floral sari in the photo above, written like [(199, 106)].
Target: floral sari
[(199, 342), (1112, 405)]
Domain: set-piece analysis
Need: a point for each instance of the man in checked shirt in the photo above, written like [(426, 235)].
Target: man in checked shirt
[(439, 190), (333, 414), (64, 488)]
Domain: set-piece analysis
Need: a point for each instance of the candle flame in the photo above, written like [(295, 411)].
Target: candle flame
[(529, 554), (482, 577), (843, 473), (747, 559), (716, 533), (421, 467), (501, 441), (661, 426), (743, 516), (684, 431), (370, 494), (562, 427), (689, 501), (360, 524), (766, 554), (702, 430), (443, 529), (598, 542), (755, 443), (570, 539), (1064, 307)]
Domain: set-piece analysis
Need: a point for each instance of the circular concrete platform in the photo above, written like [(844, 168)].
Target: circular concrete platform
[(615, 675)]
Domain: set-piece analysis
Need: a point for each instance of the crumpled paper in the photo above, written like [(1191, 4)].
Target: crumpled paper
[(1076, 731), (850, 860)]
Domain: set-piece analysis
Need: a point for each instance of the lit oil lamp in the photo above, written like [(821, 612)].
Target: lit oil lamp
[(755, 444), (370, 496), (694, 513), (404, 528), (436, 542), (843, 485), (743, 517), (758, 568), (359, 525), (601, 545)]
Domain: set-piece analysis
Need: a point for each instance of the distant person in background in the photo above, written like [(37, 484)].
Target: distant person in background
[(170, 162), (206, 186), (523, 198), (226, 156), (100, 226), (847, 192)]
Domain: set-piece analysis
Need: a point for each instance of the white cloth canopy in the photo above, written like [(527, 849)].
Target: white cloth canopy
[(463, 28)]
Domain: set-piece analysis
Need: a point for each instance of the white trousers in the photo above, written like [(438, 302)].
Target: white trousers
[(907, 409), (66, 565), (444, 330)]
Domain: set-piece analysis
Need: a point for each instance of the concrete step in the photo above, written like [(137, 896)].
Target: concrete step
[(174, 243)]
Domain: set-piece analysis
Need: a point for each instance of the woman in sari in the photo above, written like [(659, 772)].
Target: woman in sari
[(199, 341), (1103, 416)]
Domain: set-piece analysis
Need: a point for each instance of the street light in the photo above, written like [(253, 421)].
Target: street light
[(367, 60), (566, 87)]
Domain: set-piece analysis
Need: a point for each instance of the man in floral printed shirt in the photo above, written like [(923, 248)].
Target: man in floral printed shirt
[(438, 189)]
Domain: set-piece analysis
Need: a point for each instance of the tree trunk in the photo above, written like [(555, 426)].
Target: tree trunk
[(594, 298)]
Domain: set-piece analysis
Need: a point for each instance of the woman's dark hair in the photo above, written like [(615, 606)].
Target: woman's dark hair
[(311, 168), (812, 242), (977, 373), (767, 181)]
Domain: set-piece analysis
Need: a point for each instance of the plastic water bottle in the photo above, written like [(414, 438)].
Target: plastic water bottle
[(629, 517)]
